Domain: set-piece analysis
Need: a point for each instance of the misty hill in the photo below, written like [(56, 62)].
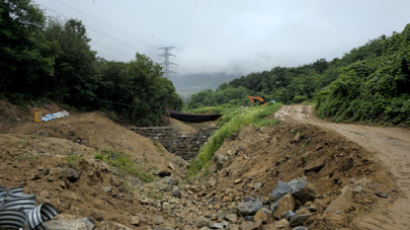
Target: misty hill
[(186, 85)]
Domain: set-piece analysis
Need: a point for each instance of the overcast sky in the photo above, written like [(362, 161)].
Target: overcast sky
[(238, 36)]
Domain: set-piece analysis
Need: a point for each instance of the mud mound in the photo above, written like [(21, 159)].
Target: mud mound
[(181, 127), (251, 163), (96, 131)]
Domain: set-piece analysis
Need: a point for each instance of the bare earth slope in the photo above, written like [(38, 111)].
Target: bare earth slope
[(390, 145)]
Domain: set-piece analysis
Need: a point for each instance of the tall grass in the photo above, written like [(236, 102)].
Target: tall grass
[(230, 123)]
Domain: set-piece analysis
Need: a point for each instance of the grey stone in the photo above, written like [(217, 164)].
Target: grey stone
[(220, 159), (170, 180), (176, 193), (299, 219), (76, 224), (258, 185), (249, 207), (300, 228), (281, 189), (381, 194), (248, 218), (297, 184), (287, 215), (220, 215), (107, 189), (303, 190), (218, 225)]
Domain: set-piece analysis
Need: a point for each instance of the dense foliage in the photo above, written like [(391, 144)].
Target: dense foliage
[(370, 83), (54, 60), (374, 89)]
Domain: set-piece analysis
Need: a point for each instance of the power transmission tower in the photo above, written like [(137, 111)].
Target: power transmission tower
[(166, 64)]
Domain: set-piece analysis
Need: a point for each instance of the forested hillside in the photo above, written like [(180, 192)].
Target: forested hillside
[(370, 83), (52, 59), (372, 89)]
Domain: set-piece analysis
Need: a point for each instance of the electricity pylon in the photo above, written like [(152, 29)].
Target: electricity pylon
[(166, 64)]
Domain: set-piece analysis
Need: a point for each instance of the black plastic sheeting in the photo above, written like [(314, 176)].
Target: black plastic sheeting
[(191, 117), (19, 210)]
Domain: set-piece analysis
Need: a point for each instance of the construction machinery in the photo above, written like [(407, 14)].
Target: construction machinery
[(257, 100)]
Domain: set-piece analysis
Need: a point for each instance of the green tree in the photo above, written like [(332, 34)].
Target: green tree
[(75, 75), (27, 58)]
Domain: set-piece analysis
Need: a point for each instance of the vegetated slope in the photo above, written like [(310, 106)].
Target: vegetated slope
[(372, 83), (375, 89), (345, 175), (229, 124)]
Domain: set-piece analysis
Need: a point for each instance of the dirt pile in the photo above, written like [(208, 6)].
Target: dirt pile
[(78, 187), (347, 181), (181, 127), (56, 161), (98, 132)]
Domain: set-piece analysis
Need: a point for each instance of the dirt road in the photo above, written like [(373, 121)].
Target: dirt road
[(392, 148)]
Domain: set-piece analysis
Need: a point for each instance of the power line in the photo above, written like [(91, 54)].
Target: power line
[(166, 61), (107, 24)]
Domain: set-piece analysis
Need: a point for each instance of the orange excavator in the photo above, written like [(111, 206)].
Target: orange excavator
[(259, 101)]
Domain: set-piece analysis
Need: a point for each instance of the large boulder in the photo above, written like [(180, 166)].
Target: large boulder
[(249, 207), (302, 190), (281, 189)]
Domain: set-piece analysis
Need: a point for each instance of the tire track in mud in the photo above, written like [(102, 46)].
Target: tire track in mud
[(390, 145)]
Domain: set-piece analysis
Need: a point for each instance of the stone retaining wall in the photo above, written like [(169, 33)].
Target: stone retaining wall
[(184, 145)]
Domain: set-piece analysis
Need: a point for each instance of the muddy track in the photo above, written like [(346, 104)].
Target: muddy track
[(390, 145)]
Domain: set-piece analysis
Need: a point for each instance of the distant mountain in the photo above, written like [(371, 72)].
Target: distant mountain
[(186, 85)]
